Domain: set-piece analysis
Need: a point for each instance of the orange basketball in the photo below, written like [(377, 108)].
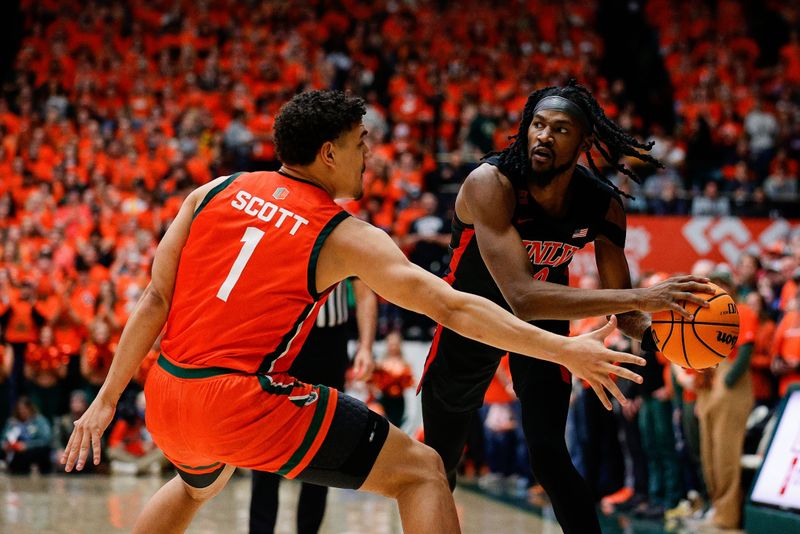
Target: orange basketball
[(703, 342)]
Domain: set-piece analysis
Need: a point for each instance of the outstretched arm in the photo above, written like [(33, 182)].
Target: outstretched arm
[(358, 249), (141, 330), (487, 201)]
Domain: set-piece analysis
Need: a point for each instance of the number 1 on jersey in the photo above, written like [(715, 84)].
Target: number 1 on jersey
[(251, 238)]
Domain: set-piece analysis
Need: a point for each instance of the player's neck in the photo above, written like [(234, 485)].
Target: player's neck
[(307, 174), (553, 197)]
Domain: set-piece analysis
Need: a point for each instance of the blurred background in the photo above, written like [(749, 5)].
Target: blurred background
[(111, 112)]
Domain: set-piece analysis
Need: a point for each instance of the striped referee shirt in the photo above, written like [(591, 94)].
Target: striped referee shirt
[(335, 311)]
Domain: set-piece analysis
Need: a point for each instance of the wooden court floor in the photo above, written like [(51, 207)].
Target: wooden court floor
[(105, 504), (62, 504)]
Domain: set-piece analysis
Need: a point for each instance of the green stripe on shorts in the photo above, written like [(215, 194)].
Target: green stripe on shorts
[(185, 372), (311, 435), (199, 467)]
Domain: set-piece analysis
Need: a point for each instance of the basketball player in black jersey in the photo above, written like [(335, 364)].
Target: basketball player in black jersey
[(519, 219)]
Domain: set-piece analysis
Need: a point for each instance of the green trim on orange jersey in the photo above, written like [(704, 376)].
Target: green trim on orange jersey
[(215, 191), (193, 372), (311, 434), (283, 346), (312, 261)]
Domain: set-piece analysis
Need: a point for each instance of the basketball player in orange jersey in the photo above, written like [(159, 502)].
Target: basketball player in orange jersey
[(519, 219), (237, 280)]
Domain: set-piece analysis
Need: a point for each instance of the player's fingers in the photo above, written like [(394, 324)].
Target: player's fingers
[(72, 447), (64, 454), (680, 310), (691, 278), (627, 374), (691, 298), (607, 329), (697, 287), (368, 369), (96, 446), (625, 357), (83, 452), (612, 387), (601, 394)]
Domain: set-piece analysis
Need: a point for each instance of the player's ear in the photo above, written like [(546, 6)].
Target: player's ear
[(327, 153)]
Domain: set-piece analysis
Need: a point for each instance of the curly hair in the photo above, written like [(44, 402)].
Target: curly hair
[(311, 119), (609, 139)]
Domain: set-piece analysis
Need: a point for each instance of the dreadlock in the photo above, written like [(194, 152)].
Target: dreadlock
[(611, 141)]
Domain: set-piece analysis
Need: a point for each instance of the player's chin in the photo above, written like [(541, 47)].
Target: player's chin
[(542, 165)]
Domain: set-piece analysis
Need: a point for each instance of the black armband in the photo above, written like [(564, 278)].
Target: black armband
[(648, 341), (613, 233)]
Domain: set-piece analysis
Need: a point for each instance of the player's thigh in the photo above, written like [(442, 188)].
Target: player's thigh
[(402, 463), (350, 447), (543, 389), (459, 372)]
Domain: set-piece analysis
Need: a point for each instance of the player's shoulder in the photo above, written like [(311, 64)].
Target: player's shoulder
[(487, 177), (197, 196), (587, 179)]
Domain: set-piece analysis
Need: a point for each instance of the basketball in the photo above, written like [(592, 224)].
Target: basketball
[(703, 342)]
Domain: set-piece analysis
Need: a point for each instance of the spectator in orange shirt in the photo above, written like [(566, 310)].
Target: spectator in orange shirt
[(96, 358), (760, 362), (45, 367), (20, 322), (392, 376), (130, 447), (786, 347)]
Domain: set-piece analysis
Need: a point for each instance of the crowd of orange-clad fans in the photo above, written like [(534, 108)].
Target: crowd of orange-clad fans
[(115, 110)]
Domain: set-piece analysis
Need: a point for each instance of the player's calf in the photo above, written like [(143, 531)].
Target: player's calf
[(413, 474)]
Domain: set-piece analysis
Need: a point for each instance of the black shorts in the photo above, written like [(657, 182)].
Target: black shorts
[(346, 455), (458, 370)]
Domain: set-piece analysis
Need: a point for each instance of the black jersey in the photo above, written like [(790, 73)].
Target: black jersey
[(551, 243)]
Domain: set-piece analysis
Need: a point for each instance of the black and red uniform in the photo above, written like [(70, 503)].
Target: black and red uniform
[(458, 370)]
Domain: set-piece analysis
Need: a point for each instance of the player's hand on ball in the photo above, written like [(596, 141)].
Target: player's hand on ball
[(588, 358), (87, 432), (666, 295)]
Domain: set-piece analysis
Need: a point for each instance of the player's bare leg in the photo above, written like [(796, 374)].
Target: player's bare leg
[(173, 507), (413, 474)]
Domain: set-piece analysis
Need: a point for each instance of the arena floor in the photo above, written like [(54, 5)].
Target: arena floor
[(101, 504)]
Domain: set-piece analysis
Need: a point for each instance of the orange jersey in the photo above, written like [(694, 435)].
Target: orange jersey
[(245, 295), (787, 346)]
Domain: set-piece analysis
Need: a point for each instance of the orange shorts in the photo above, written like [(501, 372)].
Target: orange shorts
[(204, 418)]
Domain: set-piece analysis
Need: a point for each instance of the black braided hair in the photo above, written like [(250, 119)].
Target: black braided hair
[(611, 141)]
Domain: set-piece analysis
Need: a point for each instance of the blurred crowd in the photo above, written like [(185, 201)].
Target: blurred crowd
[(115, 110)]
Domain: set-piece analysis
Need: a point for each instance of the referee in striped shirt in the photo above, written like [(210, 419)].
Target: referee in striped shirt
[(322, 360)]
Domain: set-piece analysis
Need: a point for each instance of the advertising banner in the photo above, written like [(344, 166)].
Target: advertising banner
[(674, 244)]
